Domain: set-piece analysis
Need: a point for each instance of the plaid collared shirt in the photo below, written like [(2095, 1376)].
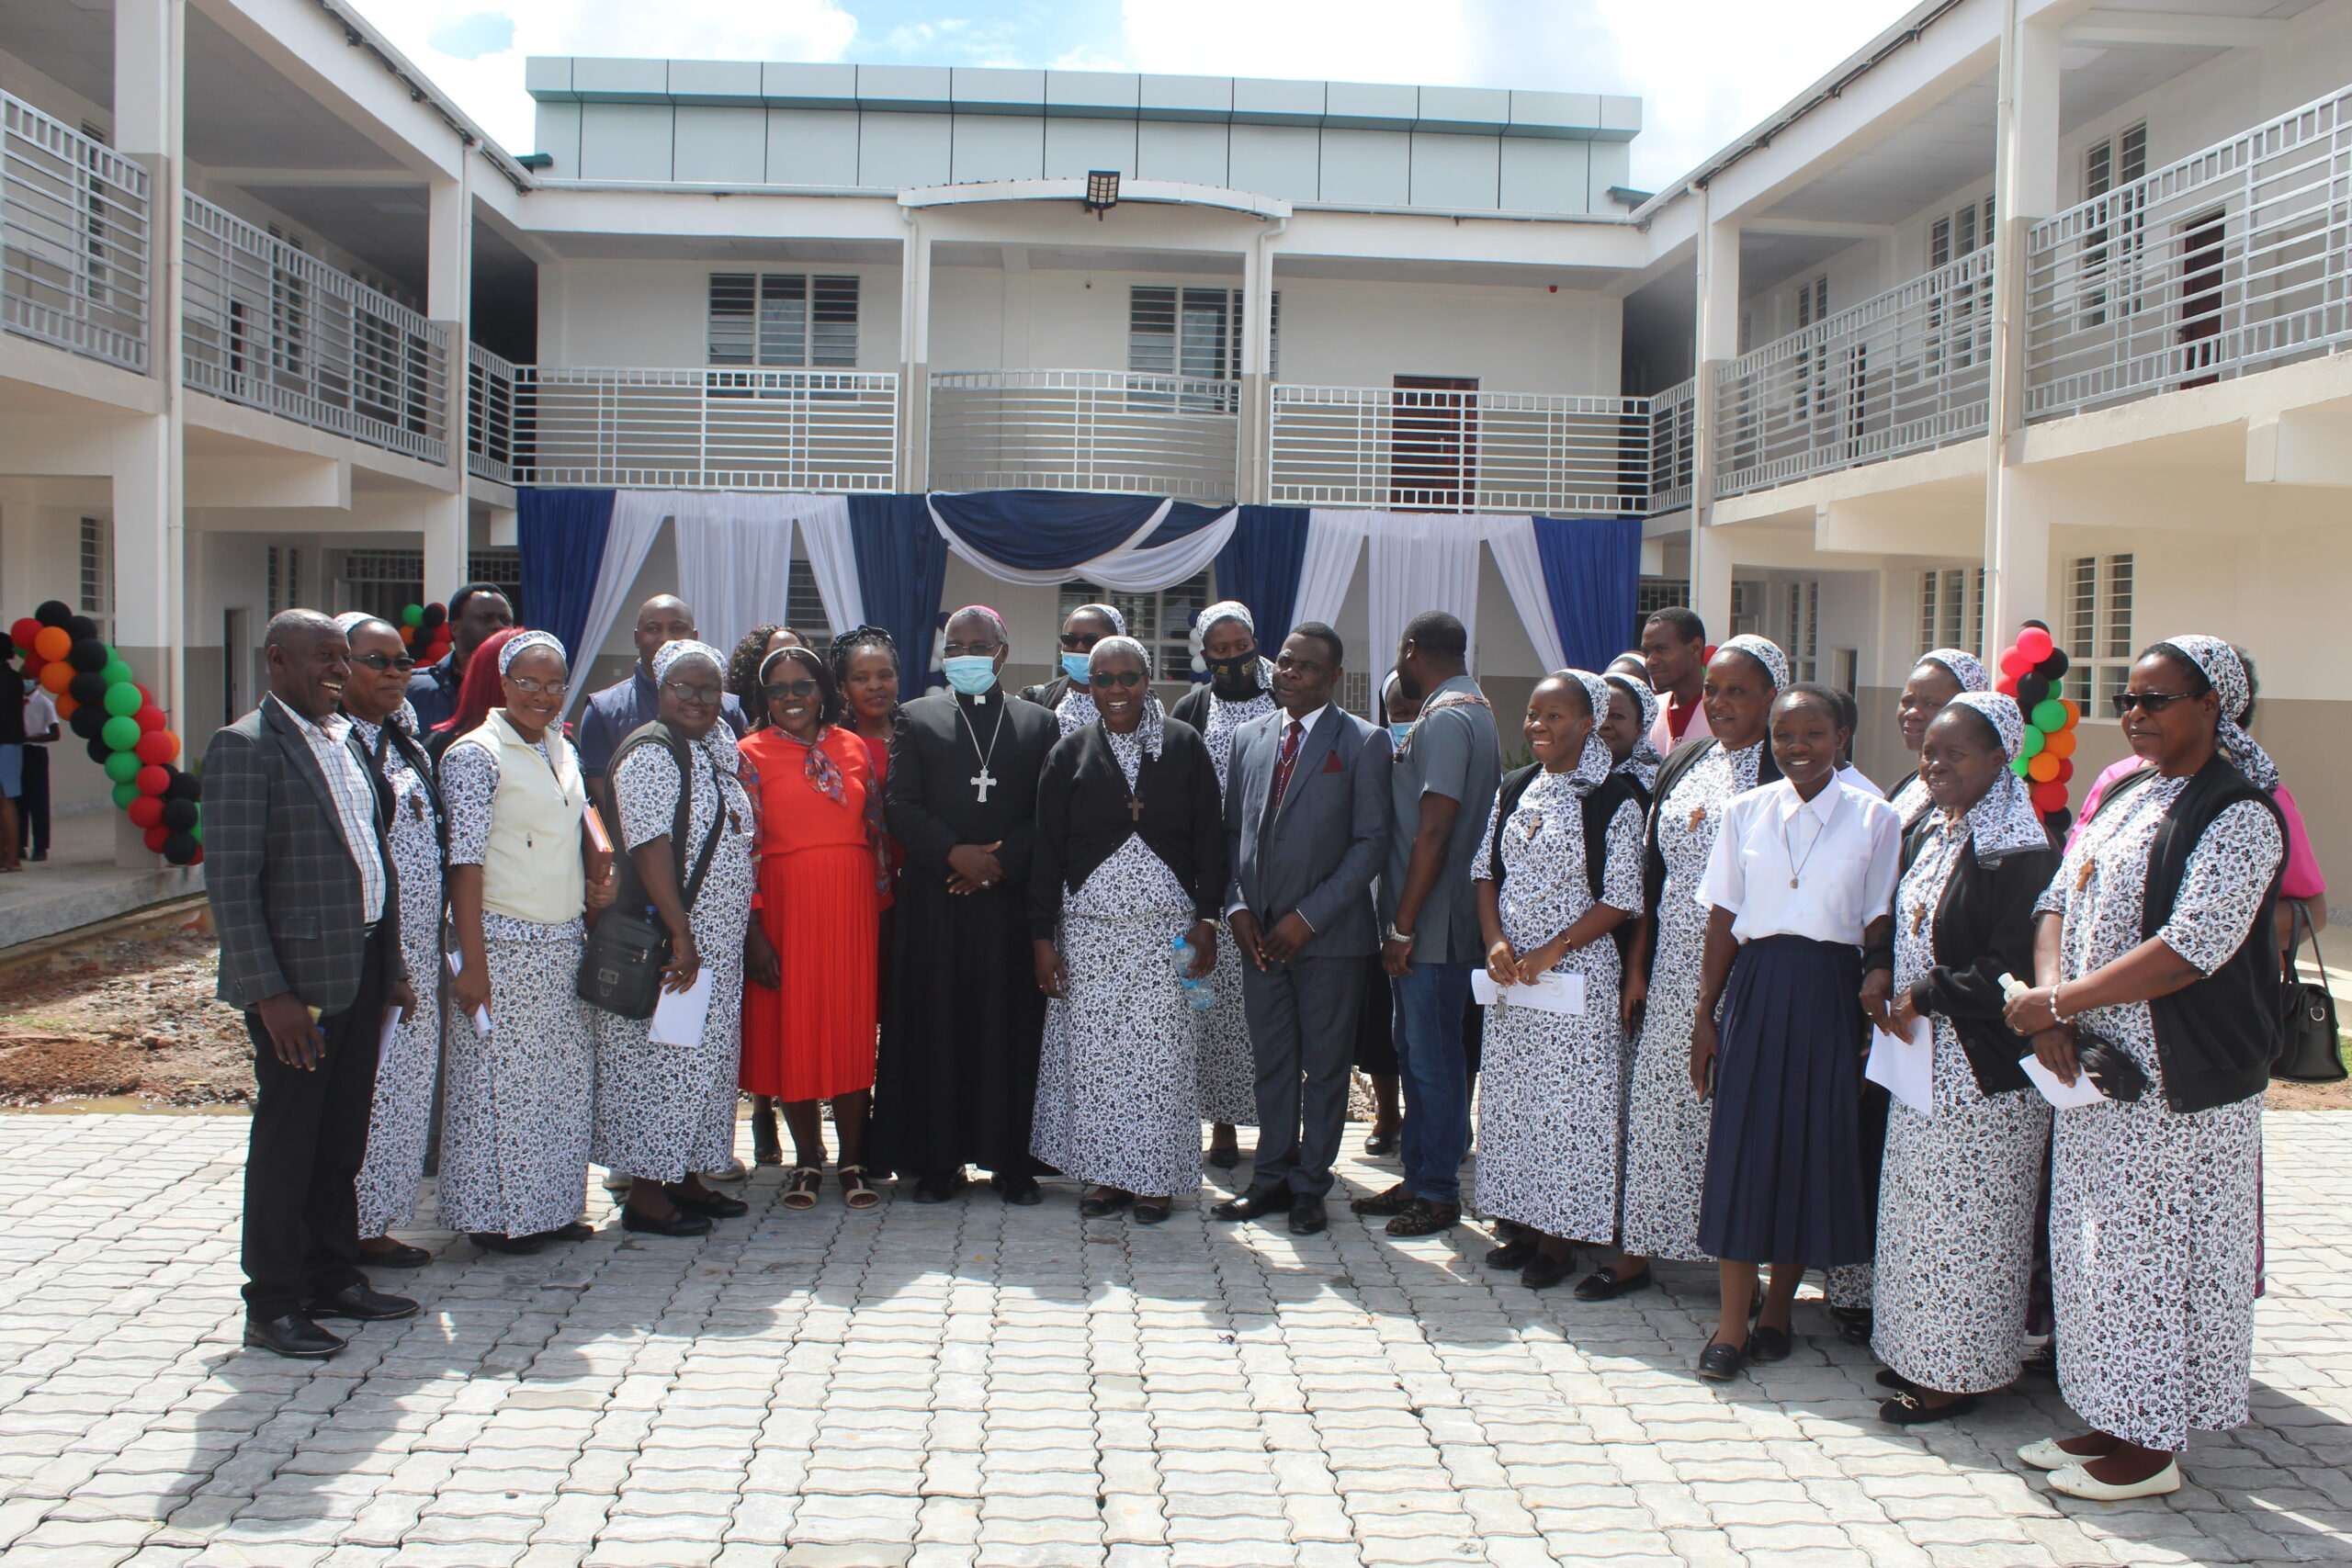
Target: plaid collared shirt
[(355, 802)]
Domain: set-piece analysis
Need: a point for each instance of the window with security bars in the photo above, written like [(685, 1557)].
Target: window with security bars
[(1746, 609), (1652, 594), (1196, 334), (2099, 631), (285, 573), (500, 566), (1162, 622), (784, 320), (97, 592), (1952, 608), (1799, 633), (1958, 232), (1812, 366), (2118, 160), (804, 608), (380, 582), (1354, 695)]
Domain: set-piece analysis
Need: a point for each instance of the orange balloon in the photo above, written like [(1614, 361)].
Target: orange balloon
[(55, 642), (2074, 713), (2059, 745), (66, 706), (2043, 767), (55, 675)]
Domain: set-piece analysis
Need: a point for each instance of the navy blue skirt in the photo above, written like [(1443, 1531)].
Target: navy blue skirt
[(1784, 1172)]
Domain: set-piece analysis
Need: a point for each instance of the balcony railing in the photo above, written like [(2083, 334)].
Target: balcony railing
[(1674, 447), (73, 226), (1904, 372), (731, 428), (267, 325), (1440, 450), (2233, 259), (1089, 430)]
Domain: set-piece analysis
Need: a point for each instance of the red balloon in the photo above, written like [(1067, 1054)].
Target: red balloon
[(2014, 663), (152, 779), (157, 746), (22, 631), (150, 717), (146, 697), (155, 835), (2035, 644), (33, 665), (147, 811), (2006, 685), (2066, 769), (2049, 798)]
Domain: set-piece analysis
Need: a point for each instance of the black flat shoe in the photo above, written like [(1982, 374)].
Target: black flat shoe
[(1307, 1216), (1225, 1156), (1601, 1285), (362, 1304), (1396, 1200), (399, 1255), (1889, 1378), (677, 1222), (710, 1205), (293, 1334), (1021, 1191), (1093, 1207), (578, 1230), (1907, 1409), (938, 1186), (1380, 1145), (1516, 1253), (1766, 1344), (489, 1241), (1426, 1218), (1152, 1214), (1720, 1362), (1543, 1270), (1252, 1205), (1854, 1324)]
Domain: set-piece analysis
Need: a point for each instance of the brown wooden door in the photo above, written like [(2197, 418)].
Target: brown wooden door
[(1432, 443), (2201, 257)]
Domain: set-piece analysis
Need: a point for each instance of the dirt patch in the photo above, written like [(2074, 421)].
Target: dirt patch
[(131, 1015)]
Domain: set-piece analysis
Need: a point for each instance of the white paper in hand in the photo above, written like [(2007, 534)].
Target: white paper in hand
[(1553, 992), (1905, 1067), (481, 1013), (678, 1016), (392, 1016), (2084, 1091)]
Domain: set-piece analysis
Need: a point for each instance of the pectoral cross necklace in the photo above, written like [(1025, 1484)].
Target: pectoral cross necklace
[(1134, 809), (982, 780)]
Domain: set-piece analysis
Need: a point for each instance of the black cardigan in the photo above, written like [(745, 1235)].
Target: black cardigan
[(1083, 819), (1984, 928), (1046, 694)]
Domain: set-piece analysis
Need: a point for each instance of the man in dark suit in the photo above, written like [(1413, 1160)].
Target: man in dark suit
[(1307, 819), (308, 911)]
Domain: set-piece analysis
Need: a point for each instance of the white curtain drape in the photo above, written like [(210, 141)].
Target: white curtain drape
[(833, 562), (1130, 569), (1334, 539), (1420, 562), (735, 557), (1512, 539), (638, 515)]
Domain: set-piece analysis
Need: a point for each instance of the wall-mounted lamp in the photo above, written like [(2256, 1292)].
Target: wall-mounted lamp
[(536, 160), (1101, 191)]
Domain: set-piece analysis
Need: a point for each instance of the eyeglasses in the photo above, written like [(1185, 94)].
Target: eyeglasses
[(969, 650), (530, 686), (1119, 678), (2148, 702), (687, 693), (379, 662), (1079, 642), (777, 690)]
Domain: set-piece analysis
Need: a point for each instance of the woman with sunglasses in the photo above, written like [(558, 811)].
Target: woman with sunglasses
[(520, 1072), (2155, 936), (664, 1110), (1130, 862), (808, 1012), (1066, 693)]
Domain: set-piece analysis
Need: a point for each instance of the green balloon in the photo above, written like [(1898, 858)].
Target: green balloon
[(118, 672), (413, 616), (123, 766), (122, 700), (2057, 688), (2018, 766), (121, 734), (2048, 716), (2032, 746), (197, 833), (124, 794)]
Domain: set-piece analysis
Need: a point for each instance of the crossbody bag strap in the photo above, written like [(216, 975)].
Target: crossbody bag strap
[(710, 839)]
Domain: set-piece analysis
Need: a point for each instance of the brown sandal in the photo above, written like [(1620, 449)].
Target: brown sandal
[(857, 1192), (801, 1184)]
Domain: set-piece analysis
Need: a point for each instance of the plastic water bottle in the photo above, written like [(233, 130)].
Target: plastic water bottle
[(1199, 995)]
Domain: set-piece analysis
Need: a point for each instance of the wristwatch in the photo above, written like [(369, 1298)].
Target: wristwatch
[(1393, 934)]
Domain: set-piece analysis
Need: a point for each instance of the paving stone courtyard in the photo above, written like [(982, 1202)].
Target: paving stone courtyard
[(972, 1384)]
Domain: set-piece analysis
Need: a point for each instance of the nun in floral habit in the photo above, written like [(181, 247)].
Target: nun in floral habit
[(1941, 674)]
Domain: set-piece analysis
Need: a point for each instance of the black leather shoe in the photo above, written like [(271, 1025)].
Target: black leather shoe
[(1153, 1213), (1252, 1205), (1908, 1409), (490, 1241), (399, 1255), (1021, 1191), (1603, 1285), (1101, 1207), (1766, 1343), (938, 1186), (676, 1223), (1307, 1216), (1396, 1200), (1720, 1362), (1516, 1253), (359, 1302), (578, 1230), (1426, 1218), (709, 1205), (1225, 1156), (293, 1334), (1543, 1270), (1381, 1145)]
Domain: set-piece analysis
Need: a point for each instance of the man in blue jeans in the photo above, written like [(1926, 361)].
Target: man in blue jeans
[(1441, 786)]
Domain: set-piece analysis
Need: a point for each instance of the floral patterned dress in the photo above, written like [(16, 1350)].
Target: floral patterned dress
[(1227, 1069), (2152, 1221), (400, 1121)]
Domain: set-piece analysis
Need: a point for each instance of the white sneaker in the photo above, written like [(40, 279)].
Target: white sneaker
[(2076, 1482), (2046, 1454)]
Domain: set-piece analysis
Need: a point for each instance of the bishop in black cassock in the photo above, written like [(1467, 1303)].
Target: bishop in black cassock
[(956, 1080)]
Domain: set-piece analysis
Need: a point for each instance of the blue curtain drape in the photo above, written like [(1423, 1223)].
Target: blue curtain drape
[(1044, 530), (901, 571), (1592, 568), (560, 537), (1260, 565)]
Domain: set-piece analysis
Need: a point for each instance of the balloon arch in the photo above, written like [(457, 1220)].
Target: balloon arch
[(100, 699)]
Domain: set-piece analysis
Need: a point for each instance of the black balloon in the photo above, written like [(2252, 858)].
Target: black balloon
[(2044, 625), (179, 815), (2060, 822), (2031, 689), (89, 689), (180, 849), (53, 612), (434, 614), (183, 787), (99, 749), (87, 720), (2054, 666), (81, 628), (89, 656)]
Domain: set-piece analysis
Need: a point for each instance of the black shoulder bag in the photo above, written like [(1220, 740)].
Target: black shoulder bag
[(2307, 1040), (628, 947)]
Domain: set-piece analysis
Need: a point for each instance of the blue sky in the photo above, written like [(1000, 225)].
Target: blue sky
[(1705, 69)]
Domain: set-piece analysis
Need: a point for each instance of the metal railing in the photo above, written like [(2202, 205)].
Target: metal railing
[(2231, 259), (266, 325), (1438, 450), (1674, 447), (728, 428), (74, 239), (1088, 429), (1904, 372)]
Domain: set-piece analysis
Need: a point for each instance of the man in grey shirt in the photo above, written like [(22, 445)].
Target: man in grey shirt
[(1441, 786)]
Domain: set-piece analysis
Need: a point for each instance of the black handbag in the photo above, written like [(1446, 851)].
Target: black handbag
[(2308, 1049), (620, 971)]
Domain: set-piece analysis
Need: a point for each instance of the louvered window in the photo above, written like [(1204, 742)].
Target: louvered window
[(2098, 630), (1194, 332), (783, 319)]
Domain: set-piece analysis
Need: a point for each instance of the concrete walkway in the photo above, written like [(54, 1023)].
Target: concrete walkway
[(79, 882), (973, 1385)]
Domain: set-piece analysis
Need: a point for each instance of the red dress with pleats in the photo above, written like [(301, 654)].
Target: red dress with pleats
[(817, 903)]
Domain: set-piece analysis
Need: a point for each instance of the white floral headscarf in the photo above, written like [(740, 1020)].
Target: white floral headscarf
[(1765, 651), (1596, 765), (669, 653), (2004, 821), (1642, 761), (1963, 665), (523, 642), (2224, 669)]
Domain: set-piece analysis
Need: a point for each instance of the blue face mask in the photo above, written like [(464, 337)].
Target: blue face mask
[(1402, 730), (1074, 665), (970, 673)]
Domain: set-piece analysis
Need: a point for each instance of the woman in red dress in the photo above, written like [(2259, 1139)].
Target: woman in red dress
[(808, 1009)]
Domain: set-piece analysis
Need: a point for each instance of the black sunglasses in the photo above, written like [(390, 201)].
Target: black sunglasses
[(379, 662), (776, 691), (2149, 702), (1119, 678)]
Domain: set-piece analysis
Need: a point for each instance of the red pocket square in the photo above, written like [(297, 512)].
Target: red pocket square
[(1331, 763)]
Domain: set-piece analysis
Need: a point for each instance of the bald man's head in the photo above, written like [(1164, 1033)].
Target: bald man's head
[(662, 618)]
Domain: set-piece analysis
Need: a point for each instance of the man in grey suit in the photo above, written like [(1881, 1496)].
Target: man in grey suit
[(1306, 819), (306, 904)]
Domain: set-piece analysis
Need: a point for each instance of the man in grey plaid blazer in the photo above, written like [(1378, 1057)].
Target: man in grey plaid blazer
[(308, 913)]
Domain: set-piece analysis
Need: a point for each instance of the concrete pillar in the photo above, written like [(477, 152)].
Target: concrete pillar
[(1253, 435), (449, 245), (914, 359), (1716, 333)]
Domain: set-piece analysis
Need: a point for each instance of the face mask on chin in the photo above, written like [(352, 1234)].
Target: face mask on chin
[(1074, 665), (970, 673), (1402, 730)]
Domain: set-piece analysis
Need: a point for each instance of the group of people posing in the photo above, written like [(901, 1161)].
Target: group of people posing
[(1079, 924)]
